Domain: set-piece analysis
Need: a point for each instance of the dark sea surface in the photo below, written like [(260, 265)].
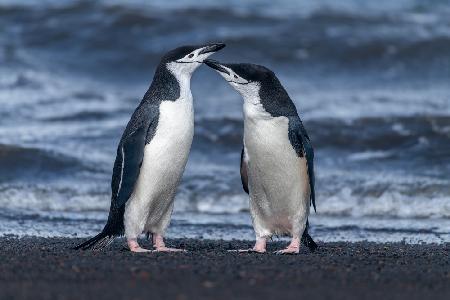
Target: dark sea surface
[(370, 79)]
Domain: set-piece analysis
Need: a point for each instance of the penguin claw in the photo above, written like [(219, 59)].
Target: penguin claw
[(287, 251), (140, 250), (134, 246), (166, 249), (251, 250)]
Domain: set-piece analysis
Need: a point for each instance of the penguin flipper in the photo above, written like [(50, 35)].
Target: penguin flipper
[(127, 165), (302, 145), (309, 153), (130, 154), (244, 174)]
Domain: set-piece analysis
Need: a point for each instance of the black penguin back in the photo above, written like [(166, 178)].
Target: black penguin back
[(275, 99)]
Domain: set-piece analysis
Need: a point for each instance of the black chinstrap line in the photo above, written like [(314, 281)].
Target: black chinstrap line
[(244, 83)]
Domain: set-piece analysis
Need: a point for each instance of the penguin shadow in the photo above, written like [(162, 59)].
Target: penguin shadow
[(209, 247), (272, 248)]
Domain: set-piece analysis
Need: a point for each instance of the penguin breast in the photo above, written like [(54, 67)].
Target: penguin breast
[(278, 181)]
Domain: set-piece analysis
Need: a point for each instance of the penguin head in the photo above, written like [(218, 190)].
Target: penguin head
[(245, 78), (259, 87), (186, 59)]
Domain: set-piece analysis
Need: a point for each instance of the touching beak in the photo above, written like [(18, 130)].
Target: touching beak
[(216, 66), (212, 48)]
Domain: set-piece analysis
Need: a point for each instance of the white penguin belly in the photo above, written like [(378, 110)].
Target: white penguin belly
[(150, 206), (278, 178)]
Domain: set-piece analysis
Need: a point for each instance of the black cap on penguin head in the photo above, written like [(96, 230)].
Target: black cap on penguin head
[(191, 53), (242, 73), (251, 72), (178, 53)]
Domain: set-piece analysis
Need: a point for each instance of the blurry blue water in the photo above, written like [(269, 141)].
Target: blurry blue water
[(370, 80)]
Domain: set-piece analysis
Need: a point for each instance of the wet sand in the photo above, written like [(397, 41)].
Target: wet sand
[(46, 268)]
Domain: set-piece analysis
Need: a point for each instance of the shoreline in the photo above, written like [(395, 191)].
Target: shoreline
[(43, 268)]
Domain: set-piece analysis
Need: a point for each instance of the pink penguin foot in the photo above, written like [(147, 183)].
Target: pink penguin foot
[(293, 248), (134, 246), (159, 245), (288, 250), (260, 247), (167, 249), (139, 250), (252, 250)]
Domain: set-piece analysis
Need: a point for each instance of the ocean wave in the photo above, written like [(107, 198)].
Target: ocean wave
[(370, 82), (389, 204), (377, 195), (368, 155), (342, 204), (130, 36), (20, 163), (364, 138), (56, 198), (81, 116)]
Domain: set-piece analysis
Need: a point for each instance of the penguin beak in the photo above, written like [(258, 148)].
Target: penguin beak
[(216, 66), (212, 48)]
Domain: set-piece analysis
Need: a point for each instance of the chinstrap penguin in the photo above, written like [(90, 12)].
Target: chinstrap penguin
[(277, 168), (152, 153)]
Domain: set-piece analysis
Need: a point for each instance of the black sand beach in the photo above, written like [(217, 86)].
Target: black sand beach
[(45, 268)]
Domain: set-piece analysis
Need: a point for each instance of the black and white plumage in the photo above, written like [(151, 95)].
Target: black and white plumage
[(277, 160), (153, 150)]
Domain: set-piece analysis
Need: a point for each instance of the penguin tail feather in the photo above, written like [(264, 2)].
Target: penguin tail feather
[(98, 242), (309, 242)]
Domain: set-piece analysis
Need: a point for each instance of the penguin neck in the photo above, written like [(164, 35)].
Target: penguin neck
[(168, 85), (254, 110), (267, 100), (249, 92), (183, 77), (253, 107)]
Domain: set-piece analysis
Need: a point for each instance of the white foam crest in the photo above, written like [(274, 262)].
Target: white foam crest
[(51, 199), (366, 155), (388, 204), (354, 103), (346, 202)]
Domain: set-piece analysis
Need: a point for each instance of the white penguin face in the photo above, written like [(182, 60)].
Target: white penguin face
[(195, 57), (250, 91), (192, 60), (189, 63), (234, 79), (247, 88)]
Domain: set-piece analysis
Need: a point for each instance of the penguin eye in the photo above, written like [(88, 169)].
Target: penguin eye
[(191, 55), (235, 76)]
